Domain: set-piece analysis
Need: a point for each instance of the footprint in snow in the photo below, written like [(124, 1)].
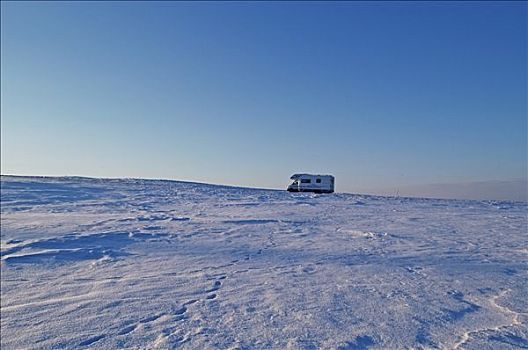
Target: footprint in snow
[(150, 319), (180, 311), (309, 270), (362, 342), (130, 328), (91, 340), (215, 286)]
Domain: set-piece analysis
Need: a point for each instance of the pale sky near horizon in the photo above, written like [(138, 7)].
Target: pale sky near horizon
[(414, 98)]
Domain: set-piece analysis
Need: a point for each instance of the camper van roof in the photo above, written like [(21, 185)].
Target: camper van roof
[(296, 176)]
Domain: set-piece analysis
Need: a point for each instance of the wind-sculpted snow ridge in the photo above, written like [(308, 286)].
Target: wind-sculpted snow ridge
[(147, 264)]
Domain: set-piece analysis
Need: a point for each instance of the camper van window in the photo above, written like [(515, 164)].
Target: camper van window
[(306, 181), (318, 181)]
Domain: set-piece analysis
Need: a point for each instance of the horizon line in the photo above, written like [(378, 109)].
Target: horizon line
[(269, 189)]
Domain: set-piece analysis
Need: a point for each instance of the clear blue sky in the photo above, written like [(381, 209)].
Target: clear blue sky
[(385, 96)]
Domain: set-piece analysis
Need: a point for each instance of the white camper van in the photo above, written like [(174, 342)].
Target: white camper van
[(312, 183)]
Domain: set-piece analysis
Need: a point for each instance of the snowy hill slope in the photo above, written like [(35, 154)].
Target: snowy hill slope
[(144, 264)]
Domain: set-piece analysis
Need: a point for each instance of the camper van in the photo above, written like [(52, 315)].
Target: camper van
[(311, 183)]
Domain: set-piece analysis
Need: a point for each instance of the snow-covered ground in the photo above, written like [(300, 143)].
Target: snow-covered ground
[(144, 264)]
